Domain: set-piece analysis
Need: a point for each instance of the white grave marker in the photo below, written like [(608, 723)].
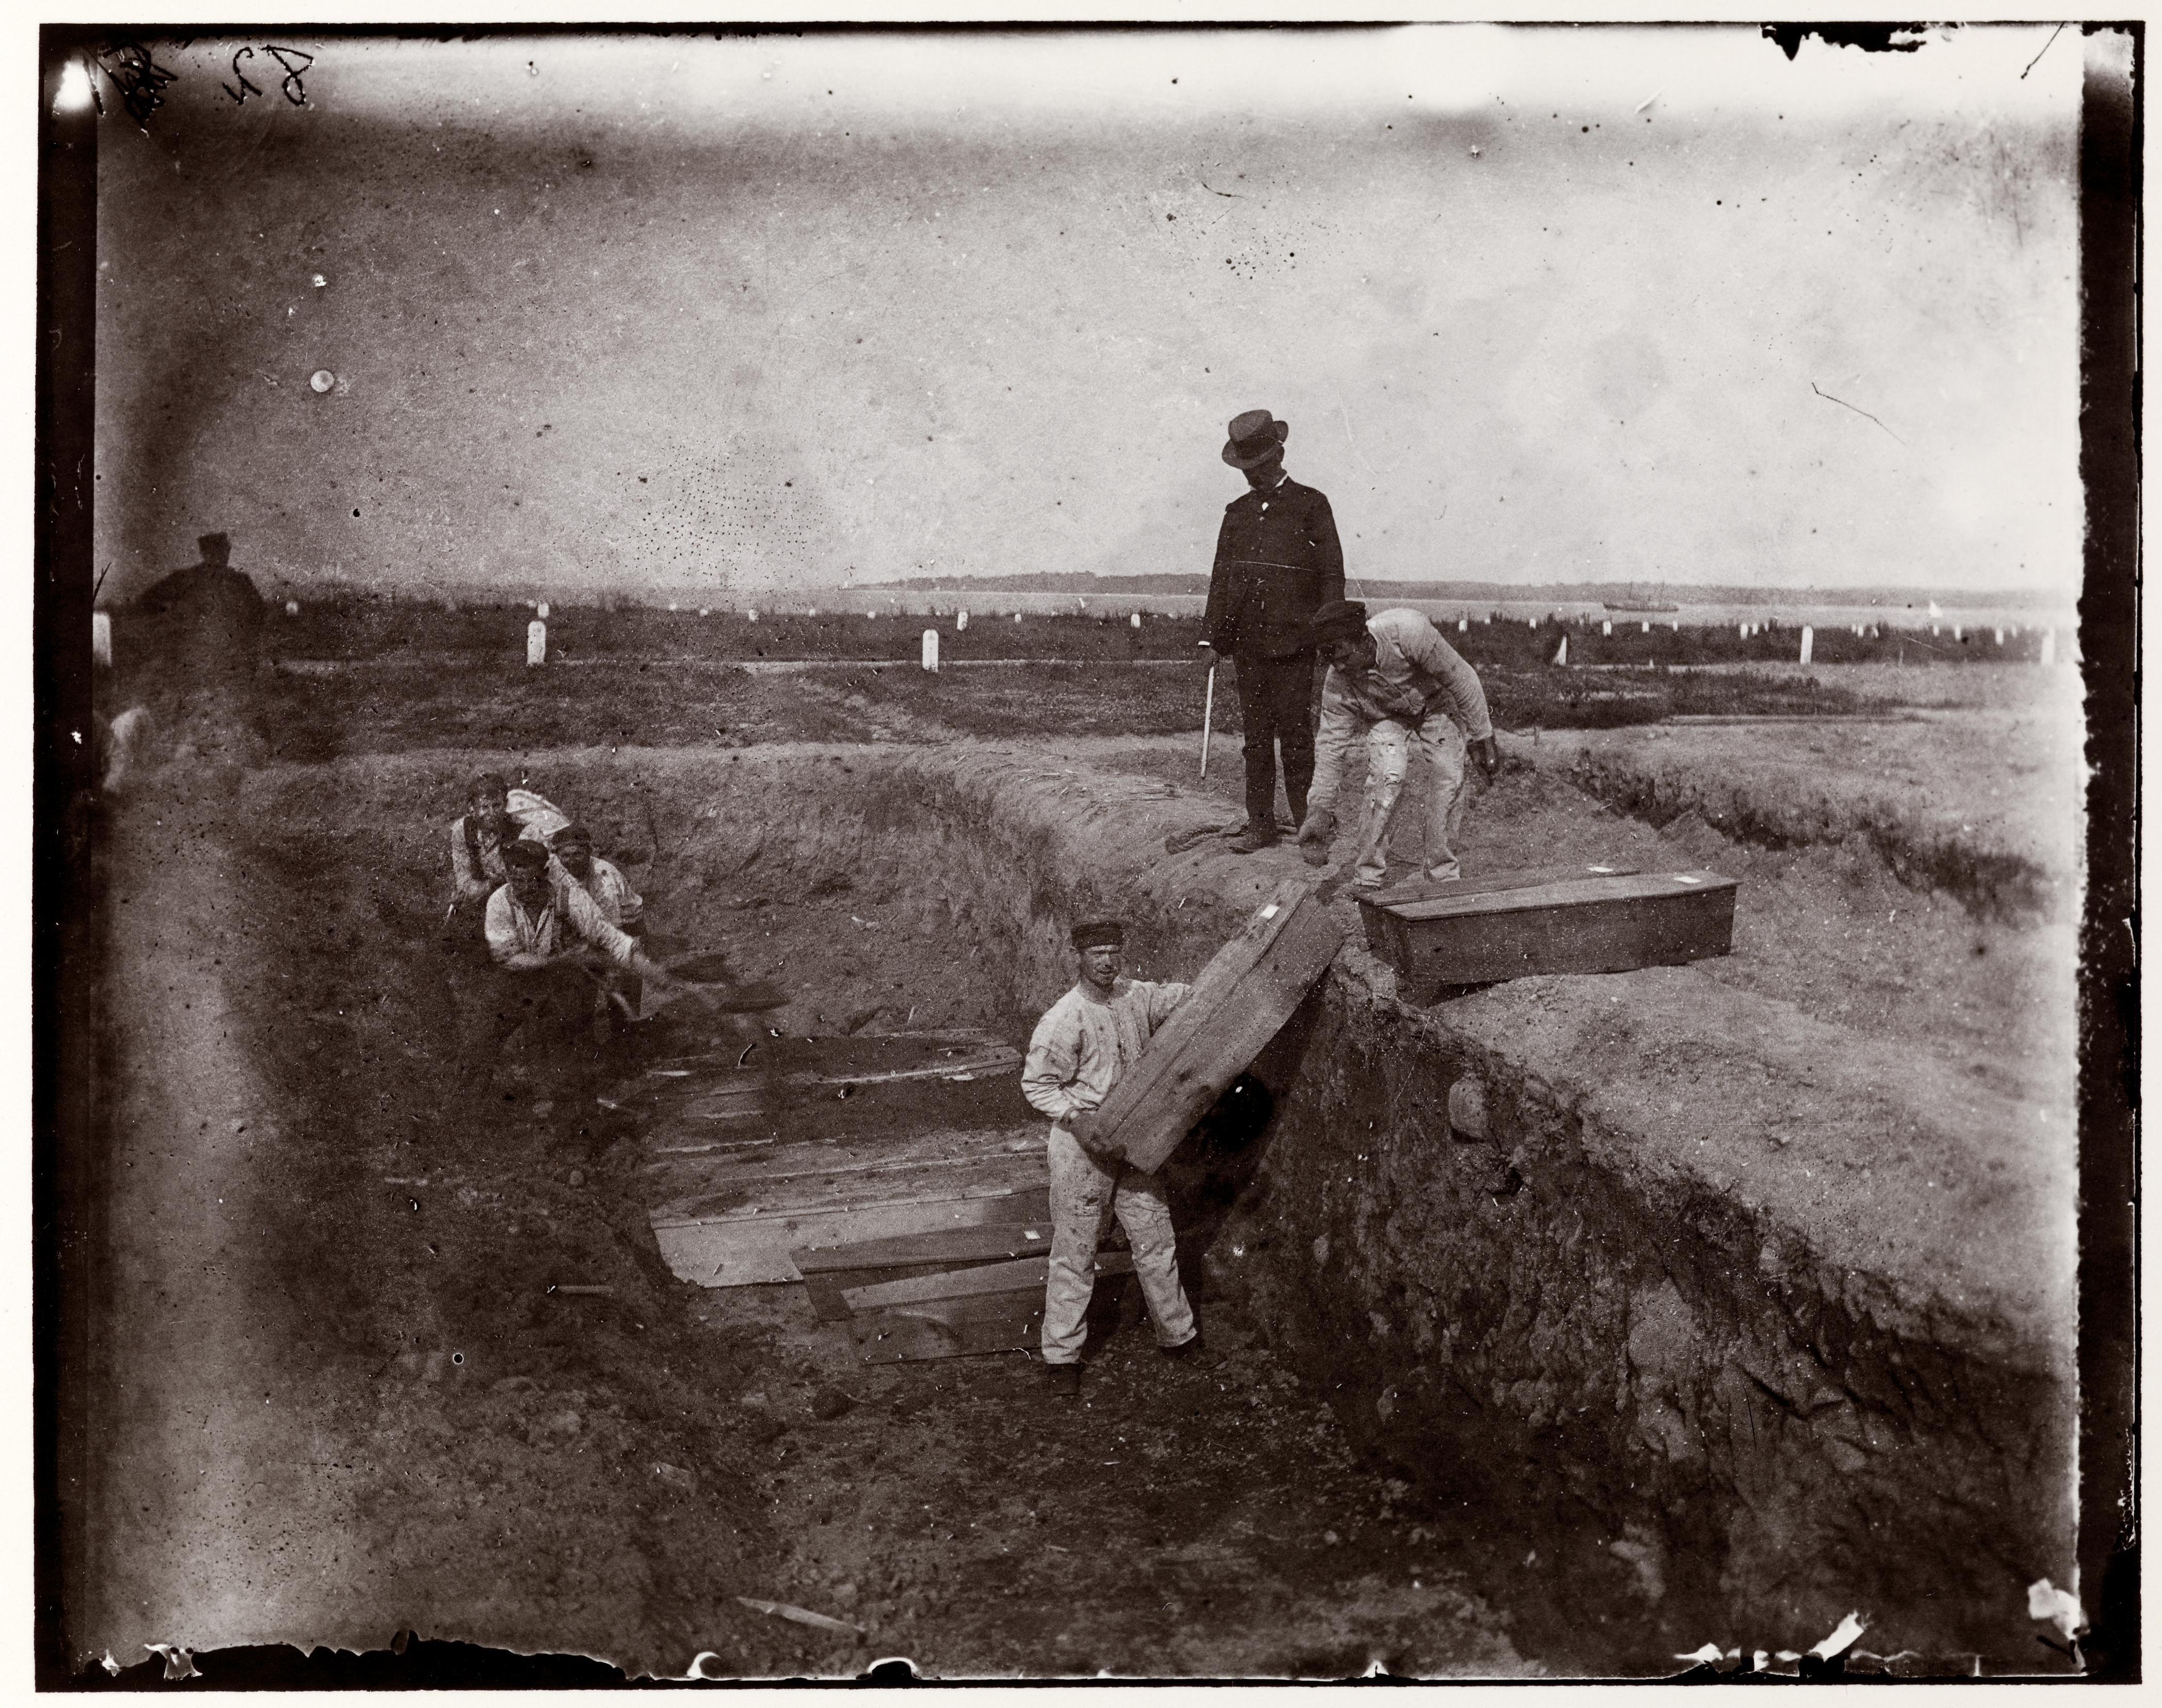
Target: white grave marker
[(961, 622), (1137, 619), (753, 615), (931, 650), (1607, 626), (541, 610), (1808, 641), (292, 607), (537, 642), (1561, 652)]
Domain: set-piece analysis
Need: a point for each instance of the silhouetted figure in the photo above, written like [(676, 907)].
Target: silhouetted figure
[(207, 620)]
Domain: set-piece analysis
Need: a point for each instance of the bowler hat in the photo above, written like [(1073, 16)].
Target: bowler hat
[(1098, 932), (522, 851), (1255, 437), (572, 835)]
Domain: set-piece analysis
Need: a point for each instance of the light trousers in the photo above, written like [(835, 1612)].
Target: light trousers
[(1084, 1195), (1390, 744)]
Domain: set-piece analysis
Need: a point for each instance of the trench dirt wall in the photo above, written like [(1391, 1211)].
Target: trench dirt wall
[(1780, 1313)]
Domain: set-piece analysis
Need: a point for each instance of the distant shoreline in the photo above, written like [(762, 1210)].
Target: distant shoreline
[(1119, 593)]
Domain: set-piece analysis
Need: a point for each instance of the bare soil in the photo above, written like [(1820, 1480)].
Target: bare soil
[(386, 1418)]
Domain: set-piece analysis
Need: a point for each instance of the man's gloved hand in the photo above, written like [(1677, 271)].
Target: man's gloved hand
[(1087, 1128), (1488, 755), (1314, 836)]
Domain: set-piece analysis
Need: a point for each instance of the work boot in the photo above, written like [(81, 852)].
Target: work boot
[(1063, 1381), (1193, 1352), (1253, 839)]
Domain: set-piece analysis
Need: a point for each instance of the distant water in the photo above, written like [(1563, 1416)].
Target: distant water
[(989, 603)]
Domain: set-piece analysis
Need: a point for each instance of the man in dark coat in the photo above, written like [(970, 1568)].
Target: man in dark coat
[(210, 615), (1277, 562)]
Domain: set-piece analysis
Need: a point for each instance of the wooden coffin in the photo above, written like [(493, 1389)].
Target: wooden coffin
[(1576, 925), (1239, 1001), (1385, 934)]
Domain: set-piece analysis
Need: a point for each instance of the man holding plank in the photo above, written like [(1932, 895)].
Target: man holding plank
[(1089, 1038)]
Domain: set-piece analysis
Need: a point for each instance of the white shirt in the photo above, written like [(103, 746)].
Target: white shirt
[(1414, 672), (568, 911), (1082, 1043), (610, 890)]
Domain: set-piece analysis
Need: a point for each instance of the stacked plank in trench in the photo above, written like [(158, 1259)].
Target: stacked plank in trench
[(825, 1141)]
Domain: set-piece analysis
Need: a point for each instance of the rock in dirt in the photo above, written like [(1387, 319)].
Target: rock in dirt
[(830, 1403)]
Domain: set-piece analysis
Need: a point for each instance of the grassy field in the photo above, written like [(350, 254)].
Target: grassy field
[(349, 626), (1983, 803), (386, 706)]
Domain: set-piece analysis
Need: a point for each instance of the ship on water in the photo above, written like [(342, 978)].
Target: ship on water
[(1633, 607)]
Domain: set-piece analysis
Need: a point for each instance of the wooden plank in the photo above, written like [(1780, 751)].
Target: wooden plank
[(987, 1064), (1217, 981), (1569, 893), (1524, 878), (1240, 1001), (828, 1270), (963, 1036), (746, 1252), (1615, 934), (742, 1197), (991, 1241), (824, 1288), (1019, 1276)]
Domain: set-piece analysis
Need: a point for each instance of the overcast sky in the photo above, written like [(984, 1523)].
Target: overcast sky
[(1538, 304)]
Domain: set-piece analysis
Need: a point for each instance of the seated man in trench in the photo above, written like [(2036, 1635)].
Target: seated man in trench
[(610, 892), (495, 813), (1081, 1046), (1394, 683), (548, 945)]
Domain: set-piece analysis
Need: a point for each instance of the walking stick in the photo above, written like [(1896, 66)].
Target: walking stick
[(1207, 711)]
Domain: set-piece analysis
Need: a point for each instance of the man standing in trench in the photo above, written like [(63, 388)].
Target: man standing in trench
[(1278, 561), (1086, 1039), (1395, 682), (546, 942)]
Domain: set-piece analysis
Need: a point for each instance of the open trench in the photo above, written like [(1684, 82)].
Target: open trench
[(1573, 1324)]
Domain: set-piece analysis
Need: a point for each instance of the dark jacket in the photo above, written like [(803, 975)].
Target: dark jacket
[(1277, 562)]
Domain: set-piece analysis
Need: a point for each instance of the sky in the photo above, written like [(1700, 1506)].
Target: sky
[(798, 310)]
